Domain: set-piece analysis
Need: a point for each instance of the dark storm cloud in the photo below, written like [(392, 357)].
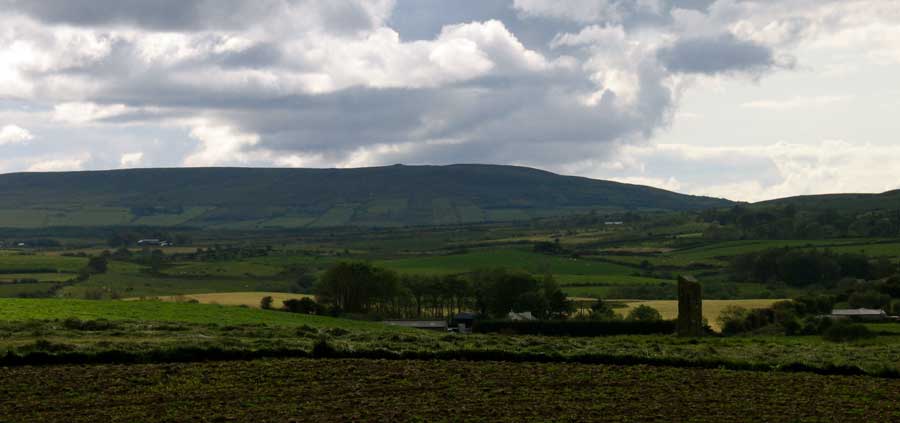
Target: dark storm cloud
[(713, 55), (190, 15), (165, 15)]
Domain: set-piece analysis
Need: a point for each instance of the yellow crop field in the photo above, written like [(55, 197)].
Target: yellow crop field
[(249, 299), (711, 308)]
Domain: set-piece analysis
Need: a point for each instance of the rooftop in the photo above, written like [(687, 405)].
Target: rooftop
[(858, 312)]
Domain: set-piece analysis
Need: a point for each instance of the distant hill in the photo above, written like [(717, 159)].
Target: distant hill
[(290, 198), (851, 203)]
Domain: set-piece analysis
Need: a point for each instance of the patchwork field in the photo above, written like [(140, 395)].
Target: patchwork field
[(561, 267), (375, 390)]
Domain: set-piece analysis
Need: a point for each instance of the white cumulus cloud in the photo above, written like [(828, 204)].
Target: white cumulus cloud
[(12, 134)]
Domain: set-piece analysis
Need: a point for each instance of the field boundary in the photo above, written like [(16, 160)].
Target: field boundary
[(324, 350)]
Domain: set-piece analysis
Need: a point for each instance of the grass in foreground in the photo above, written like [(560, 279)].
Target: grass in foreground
[(375, 390)]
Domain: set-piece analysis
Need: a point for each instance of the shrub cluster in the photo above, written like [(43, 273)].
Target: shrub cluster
[(847, 332), (576, 327)]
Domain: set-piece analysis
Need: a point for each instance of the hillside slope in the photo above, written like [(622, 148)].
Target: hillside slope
[(850, 203), (255, 198)]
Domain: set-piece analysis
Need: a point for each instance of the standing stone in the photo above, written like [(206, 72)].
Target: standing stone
[(690, 307)]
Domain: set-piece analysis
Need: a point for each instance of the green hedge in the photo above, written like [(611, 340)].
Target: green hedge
[(575, 327)]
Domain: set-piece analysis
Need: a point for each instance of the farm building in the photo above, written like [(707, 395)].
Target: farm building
[(463, 322), (523, 316), (859, 314), (153, 243)]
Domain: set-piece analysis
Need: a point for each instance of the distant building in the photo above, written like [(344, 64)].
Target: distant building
[(153, 243), (463, 322), (859, 314), (523, 316)]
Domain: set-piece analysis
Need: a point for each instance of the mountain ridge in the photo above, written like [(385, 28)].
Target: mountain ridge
[(394, 195)]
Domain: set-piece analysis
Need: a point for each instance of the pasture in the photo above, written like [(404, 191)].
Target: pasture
[(560, 267), (18, 310)]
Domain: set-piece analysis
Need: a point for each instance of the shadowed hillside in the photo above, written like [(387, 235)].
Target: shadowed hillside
[(256, 198)]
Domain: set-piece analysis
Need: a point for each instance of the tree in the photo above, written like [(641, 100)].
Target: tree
[(97, 265), (303, 305), (733, 319), (644, 313), (357, 287), (266, 302), (869, 299), (602, 311), (558, 304)]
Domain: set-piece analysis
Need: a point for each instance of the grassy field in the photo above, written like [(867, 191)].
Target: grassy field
[(160, 311), (248, 299), (26, 322), (145, 285), (11, 263), (716, 253), (711, 308), (561, 267), (372, 390), (40, 277)]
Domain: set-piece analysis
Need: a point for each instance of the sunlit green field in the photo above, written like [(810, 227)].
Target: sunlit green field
[(161, 311), (716, 253), (560, 267), (41, 263)]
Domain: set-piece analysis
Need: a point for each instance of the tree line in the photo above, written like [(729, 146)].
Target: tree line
[(361, 288), (802, 267), (790, 222)]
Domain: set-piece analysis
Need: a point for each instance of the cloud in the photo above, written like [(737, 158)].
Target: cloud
[(12, 134), (590, 10), (345, 81), (59, 165), (567, 85), (756, 173), (220, 144), (713, 55), (794, 103), (130, 160), (200, 15)]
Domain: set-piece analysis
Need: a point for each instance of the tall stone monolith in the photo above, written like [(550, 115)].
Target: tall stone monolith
[(690, 307)]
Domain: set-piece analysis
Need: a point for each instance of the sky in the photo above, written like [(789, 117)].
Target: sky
[(743, 99)]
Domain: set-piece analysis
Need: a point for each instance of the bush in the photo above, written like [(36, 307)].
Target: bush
[(303, 305), (97, 265), (847, 332), (266, 302), (323, 349), (576, 327), (869, 299), (733, 320), (644, 313), (603, 311)]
